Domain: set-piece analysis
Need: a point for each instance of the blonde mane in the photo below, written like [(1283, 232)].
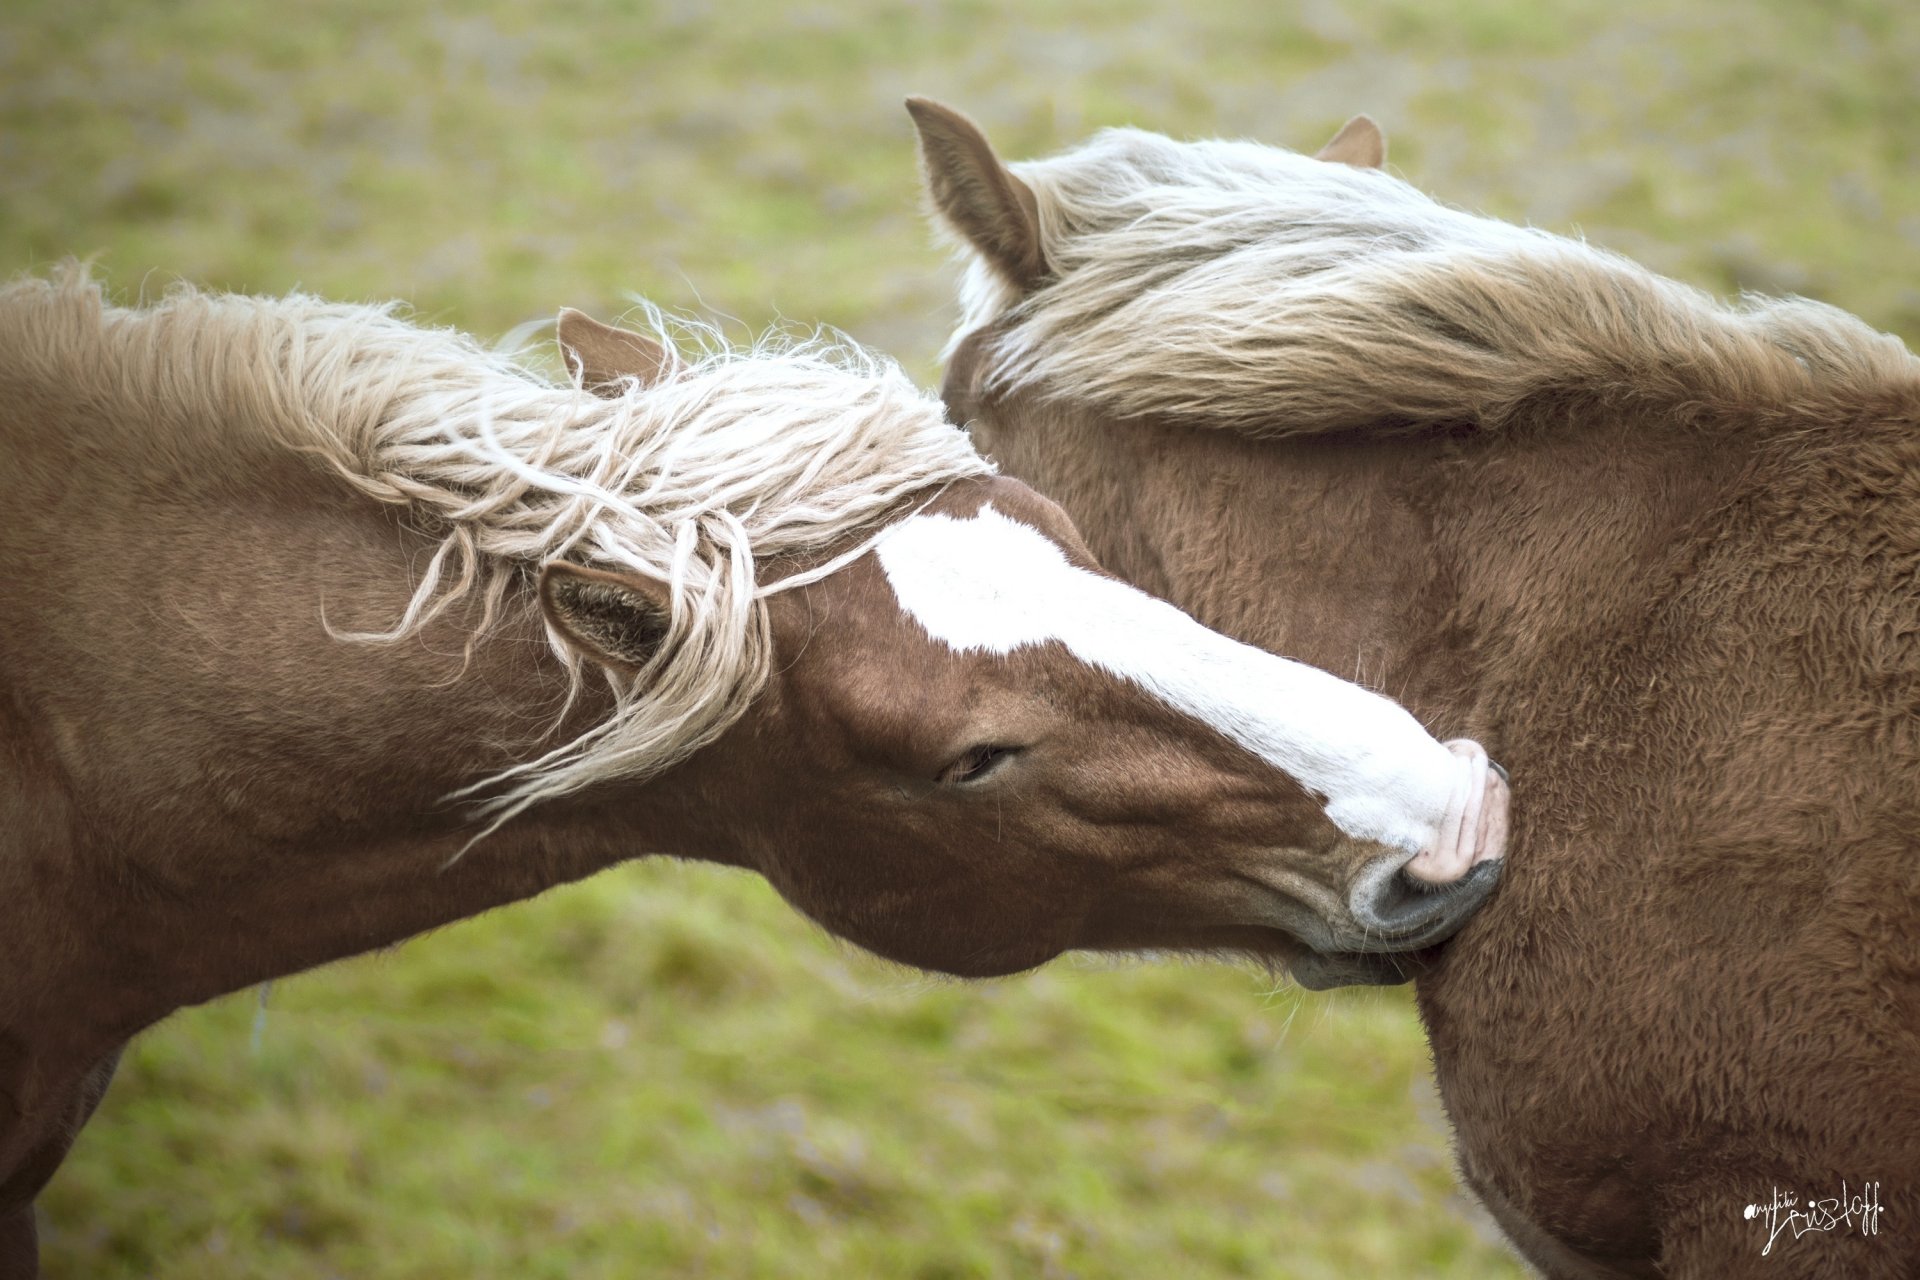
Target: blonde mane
[(786, 448), (1252, 288)]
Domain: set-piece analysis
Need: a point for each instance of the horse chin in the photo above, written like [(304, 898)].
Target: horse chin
[(1318, 971)]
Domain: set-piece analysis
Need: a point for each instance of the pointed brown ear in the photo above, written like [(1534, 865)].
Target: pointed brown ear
[(604, 357), (974, 192), (1359, 143), (619, 619)]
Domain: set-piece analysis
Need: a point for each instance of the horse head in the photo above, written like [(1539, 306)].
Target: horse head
[(976, 750)]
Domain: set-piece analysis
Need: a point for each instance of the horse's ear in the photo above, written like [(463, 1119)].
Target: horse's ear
[(978, 195), (604, 357), (619, 619), (1359, 143)]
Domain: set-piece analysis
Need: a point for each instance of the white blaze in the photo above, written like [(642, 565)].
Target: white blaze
[(991, 584)]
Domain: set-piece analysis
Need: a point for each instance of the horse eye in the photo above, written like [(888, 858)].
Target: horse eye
[(976, 763)]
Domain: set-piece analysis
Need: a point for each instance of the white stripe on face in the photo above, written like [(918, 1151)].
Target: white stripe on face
[(991, 584)]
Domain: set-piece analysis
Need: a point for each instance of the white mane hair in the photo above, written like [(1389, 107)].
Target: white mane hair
[(1252, 288), (788, 447)]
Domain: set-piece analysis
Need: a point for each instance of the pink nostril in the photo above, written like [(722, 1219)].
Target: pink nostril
[(1491, 839), (1474, 828)]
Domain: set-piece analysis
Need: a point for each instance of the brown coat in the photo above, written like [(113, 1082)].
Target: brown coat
[(704, 610), (1663, 557)]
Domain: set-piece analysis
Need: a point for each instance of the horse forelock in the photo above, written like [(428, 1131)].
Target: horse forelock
[(780, 449), (1243, 286)]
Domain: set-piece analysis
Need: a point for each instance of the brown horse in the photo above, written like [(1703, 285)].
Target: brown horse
[(1658, 553), (320, 629)]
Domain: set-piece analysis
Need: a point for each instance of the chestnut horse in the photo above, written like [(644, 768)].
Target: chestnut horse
[(320, 629), (1658, 553)]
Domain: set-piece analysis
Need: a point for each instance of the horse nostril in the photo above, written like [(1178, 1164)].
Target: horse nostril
[(1405, 912), (1500, 769), (1400, 903)]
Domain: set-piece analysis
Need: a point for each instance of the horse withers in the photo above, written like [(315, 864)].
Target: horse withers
[(1660, 554), (320, 629)]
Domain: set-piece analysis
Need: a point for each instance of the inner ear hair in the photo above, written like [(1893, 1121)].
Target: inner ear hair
[(1359, 143), (995, 211), (620, 619), (604, 356)]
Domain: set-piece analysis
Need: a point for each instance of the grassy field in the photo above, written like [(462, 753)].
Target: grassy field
[(665, 1072)]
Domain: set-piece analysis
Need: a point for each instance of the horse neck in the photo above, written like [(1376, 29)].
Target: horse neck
[(1405, 564), (221, 790)]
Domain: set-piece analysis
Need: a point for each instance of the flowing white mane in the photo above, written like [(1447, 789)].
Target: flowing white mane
[(785, 448), (1248, 287)]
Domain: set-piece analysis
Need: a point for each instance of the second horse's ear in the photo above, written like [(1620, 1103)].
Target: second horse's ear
[(979, 197), (617, 619), (1359, 143), (603, 357)]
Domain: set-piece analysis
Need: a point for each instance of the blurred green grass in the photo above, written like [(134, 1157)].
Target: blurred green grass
[(665, 1072)]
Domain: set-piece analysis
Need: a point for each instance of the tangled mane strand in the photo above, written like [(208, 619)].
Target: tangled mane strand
[(1247, 287), (784, 448)]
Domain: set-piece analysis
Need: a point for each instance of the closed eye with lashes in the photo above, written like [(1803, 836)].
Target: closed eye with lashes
[(977, 763)]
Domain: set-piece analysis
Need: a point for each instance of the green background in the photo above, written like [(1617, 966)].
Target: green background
[(666, 1072)]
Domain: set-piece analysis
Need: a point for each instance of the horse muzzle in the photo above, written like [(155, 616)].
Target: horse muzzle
[(1399, 921), (1423, 900)]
